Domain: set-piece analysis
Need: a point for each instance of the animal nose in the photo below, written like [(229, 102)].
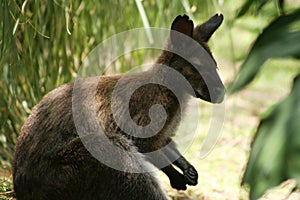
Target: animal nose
[(219, 93), (220, 90)]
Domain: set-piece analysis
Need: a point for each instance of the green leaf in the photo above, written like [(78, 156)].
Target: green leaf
[(259, 5), (247, 5), (279, 39), (293, 146), (245, 8), (275, 154)]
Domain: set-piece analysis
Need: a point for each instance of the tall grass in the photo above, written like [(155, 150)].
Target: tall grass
[(43, 44)]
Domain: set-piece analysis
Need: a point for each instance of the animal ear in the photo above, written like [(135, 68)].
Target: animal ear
[(204, 31), (183, 25)]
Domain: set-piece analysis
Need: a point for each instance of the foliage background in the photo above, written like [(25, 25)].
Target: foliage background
[(275, 151), (43, 44)]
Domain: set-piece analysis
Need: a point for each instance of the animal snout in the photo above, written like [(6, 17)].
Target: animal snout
[(218, 94)]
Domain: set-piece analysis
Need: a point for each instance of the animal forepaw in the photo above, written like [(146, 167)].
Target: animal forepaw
[(191, 176)]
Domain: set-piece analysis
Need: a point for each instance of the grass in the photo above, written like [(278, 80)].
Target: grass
[(6, 186)]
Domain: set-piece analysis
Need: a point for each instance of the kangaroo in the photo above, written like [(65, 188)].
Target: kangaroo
[(52, 161)]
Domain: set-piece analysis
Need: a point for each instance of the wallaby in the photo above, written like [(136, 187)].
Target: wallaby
[(51, 161)]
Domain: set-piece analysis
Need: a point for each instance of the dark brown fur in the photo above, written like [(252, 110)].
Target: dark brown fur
[(51, 161)]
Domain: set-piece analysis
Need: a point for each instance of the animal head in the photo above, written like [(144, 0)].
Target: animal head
[(194, 59)]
